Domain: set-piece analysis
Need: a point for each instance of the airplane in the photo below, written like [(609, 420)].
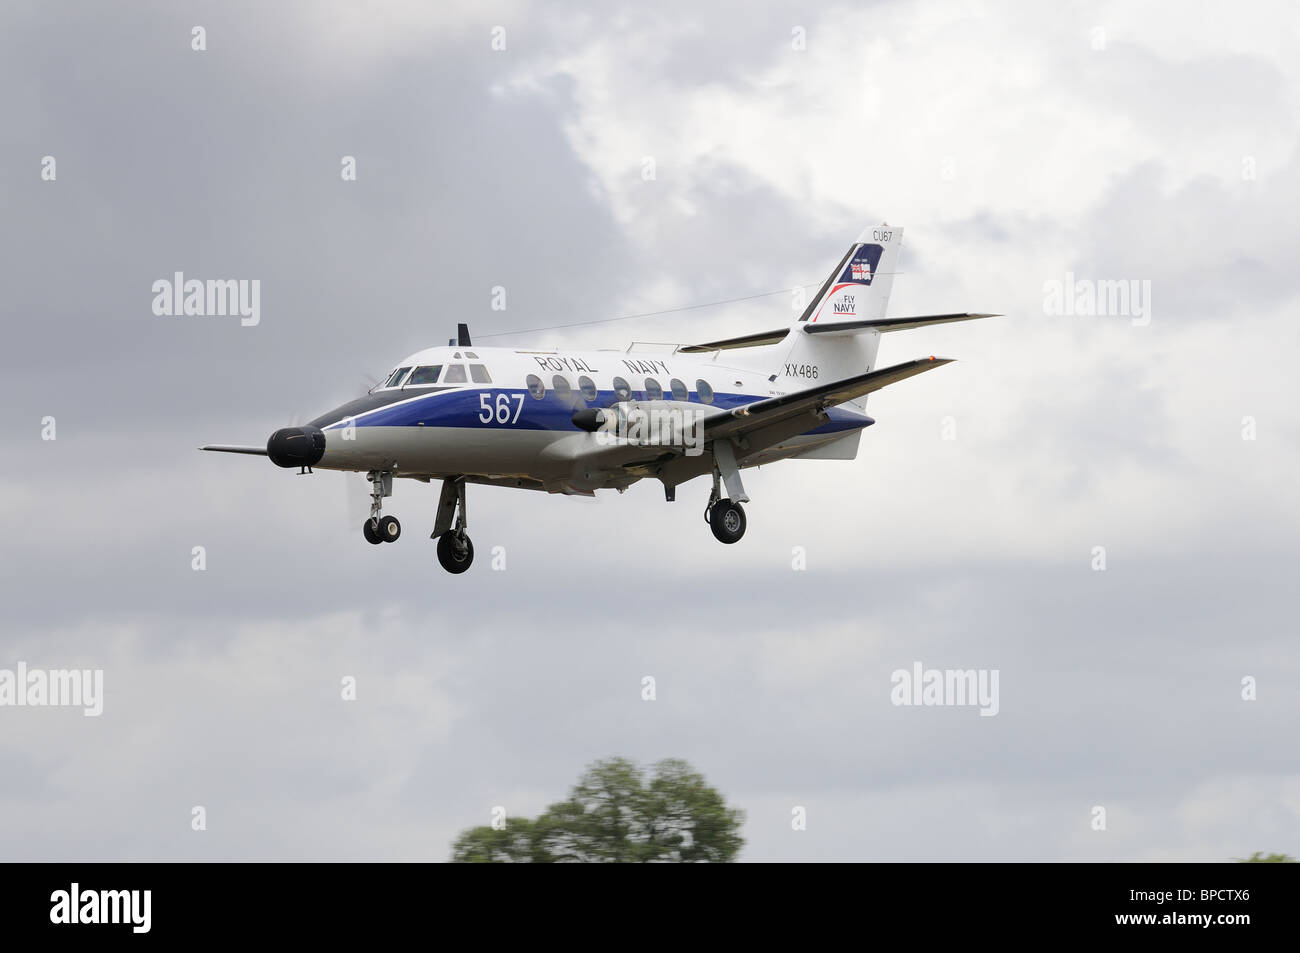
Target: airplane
[(575, 421)]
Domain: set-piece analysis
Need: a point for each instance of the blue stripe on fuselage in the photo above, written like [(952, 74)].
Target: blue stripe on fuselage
[(463, 408)]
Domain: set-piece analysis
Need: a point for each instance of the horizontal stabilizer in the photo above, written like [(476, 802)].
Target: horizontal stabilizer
[(230, 448), (761, 338), (891, 324), (749, 340)]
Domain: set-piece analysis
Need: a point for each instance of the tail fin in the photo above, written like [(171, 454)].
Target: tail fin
[(858, 288)]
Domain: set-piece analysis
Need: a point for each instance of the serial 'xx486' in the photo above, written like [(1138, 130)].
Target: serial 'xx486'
[(576, 421)]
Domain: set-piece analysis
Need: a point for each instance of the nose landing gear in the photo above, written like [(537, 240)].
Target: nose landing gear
[(384, 530), (380, 529)]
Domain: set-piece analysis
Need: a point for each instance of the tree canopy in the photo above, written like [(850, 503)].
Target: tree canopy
[(1259, 857), (618, 813)]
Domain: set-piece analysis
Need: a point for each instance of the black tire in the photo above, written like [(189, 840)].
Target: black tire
[(727, 520), (389, 529), (370, 533), (452, 561)]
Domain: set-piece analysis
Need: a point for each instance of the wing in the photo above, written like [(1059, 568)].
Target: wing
[(814, 400), (761, 424), (758, 339)]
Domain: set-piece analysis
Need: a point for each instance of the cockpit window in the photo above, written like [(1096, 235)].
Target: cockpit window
[(479, 373), (425, 375), (471, 355), (397, 376), (455, 374)]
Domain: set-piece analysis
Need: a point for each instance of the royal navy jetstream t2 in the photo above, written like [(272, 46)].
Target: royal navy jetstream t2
[(577, 421)]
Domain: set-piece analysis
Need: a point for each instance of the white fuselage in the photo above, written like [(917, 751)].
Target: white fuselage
[(505, 415)]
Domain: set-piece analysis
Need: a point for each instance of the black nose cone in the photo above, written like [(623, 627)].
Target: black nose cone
[(296, 446)]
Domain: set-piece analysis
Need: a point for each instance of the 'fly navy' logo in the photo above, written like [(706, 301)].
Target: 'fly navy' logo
[(845, 305)]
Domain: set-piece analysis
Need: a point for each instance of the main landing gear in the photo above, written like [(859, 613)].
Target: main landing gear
[(726, 519), (725, 515), (380, 529), (455, 551)]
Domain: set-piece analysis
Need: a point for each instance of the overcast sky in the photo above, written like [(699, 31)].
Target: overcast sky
[(1149, 142)]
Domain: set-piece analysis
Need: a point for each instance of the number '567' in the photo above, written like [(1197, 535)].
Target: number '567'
[(500, 413)]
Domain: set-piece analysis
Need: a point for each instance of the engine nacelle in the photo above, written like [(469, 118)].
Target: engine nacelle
[(593, 419), (647, 423)]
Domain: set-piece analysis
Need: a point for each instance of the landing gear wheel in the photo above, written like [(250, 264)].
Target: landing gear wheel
[(455, 552), (727, 520), (378, 529), (388, 530)]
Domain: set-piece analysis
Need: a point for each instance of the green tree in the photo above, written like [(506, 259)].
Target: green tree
[(487, 845), (616, 814), (1259, 857)]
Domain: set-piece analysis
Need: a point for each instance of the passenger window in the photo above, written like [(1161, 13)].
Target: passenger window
[(560, 383), (479, 374), (588, 388), (425, 375), (397, 376), (705, 391), (652, 389), (679, 390), (455, 374), (621, 389), (536, 388)]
